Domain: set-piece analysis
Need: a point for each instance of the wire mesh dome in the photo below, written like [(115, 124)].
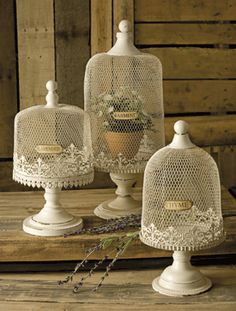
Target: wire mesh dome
[(181, 197), (52, 149), (123, 94), (52, 146)]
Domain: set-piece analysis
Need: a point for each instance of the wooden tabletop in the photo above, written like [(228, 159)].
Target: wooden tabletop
[(17, 246), (122, 290)]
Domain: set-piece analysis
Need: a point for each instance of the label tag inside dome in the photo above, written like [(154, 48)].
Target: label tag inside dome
[(125, 115), (52, 149), (178, 205)]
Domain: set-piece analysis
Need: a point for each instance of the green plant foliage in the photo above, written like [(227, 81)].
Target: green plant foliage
[(123, 100)]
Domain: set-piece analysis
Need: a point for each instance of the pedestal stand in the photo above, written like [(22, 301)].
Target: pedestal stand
[(52, 220), (124, 204), (181, 278)]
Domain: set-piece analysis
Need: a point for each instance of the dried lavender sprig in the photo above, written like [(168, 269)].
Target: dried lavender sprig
[(106, 242), (120, 250), (89, 274), (81, 264), (114, 224)]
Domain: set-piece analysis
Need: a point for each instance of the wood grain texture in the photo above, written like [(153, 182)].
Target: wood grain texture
[(122, 9), (101, 26), (42, 306), (196, 63), (8, 84), (206, 130), (35, 28), (191, 96), (19, 246), (123, 290), (184, 10), (72, 48), (6, 181), (227, 163), (187, 33)]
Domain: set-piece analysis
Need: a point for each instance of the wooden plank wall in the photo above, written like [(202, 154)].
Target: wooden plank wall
[(72, 48), (8, 84), (195, 40), (8, 87)]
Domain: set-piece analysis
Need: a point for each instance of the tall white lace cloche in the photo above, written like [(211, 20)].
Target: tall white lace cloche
[(123, 95), (52, 150), (181, 210)]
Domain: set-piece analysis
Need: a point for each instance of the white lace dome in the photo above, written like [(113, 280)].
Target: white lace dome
[(123, 95), (181, 197), (52, 145)]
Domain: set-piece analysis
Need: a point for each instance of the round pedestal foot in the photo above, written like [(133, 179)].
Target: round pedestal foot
[(178, 289), (181, 278), (119, 207), (31, 226)]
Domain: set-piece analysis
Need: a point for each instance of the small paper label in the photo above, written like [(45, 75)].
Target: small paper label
[(178, 205), (125, 115), (52, 149)]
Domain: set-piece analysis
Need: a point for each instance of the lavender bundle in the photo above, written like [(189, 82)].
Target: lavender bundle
[(116, 244)]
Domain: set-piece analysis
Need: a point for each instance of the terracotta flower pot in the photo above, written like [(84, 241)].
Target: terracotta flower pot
[(126, 143)]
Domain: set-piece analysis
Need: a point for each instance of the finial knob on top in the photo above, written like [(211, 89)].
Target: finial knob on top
[(51, 85), (124, 26), (181, 138), (181, 127), (52, 97)]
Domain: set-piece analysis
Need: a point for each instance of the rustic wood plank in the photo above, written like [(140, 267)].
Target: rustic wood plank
[(122, 289), (29, 249), (191, 96), (176, 33), (101, 26), (6, 181), (122, 9), (72, 49), (196, 63), (8, 85), (184, 10), (42, 306), (227, 163), (223, 274), (35, 24), (206, 130), (14, 207)]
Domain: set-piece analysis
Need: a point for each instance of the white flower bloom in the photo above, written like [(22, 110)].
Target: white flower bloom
[(101, 95), (107, 97), (110, 109)]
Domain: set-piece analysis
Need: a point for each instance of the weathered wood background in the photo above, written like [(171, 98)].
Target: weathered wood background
[(194, 39)]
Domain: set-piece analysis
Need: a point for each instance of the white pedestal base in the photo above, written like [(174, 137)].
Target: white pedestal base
[(181, 278), (124, 204), (52, 220), (36, 228)]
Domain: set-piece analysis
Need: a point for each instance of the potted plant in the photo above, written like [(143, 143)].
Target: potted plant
[(123, 120)]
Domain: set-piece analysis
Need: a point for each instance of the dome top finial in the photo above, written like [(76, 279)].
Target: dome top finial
[(124, 45), (181, 139), (181, 127), (124, 26), (52, 97)]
